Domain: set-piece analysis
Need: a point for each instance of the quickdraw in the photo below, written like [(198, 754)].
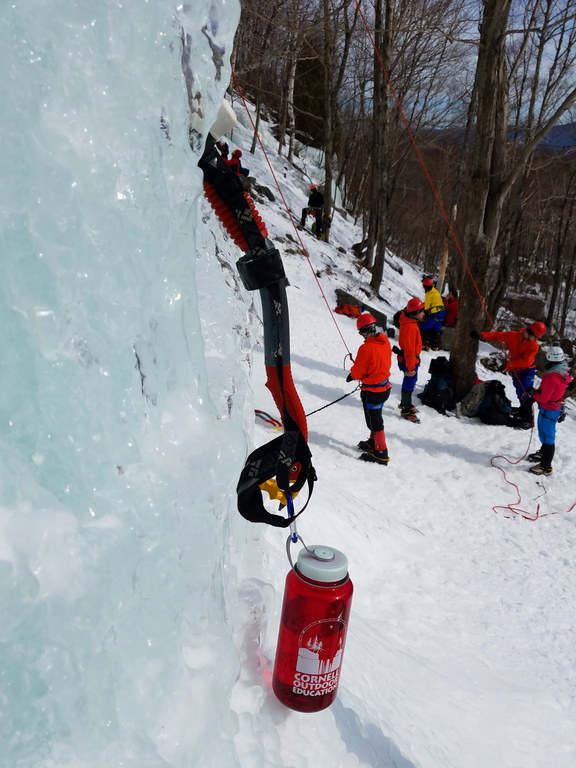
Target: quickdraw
[(286, 461)]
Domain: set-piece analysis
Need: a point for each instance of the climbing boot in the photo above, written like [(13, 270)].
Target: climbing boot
[(366, 445), (409, 408), (545, 465), (538, 469), (535, 457), (377, 457), (410, 416)]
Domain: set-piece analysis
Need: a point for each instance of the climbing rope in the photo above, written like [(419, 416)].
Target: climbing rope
[(286, 206)]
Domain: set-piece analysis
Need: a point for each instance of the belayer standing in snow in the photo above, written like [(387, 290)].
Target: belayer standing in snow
[(410, 342), (523, 347), (451, 305), (431, 326), (315, 204), (550, 398), (372, 368)]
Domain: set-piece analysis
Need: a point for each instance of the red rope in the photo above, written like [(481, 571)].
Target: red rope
[(513, 508), (288, 211)]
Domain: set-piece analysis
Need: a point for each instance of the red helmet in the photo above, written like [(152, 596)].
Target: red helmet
[(312, 186), (414, 305), (365, 320), (237, 153), (538, 329), (428, 282)]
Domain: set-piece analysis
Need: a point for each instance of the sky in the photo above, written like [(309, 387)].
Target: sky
[(139, 610)]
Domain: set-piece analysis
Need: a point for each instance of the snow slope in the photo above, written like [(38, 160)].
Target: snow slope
[(460, 652)]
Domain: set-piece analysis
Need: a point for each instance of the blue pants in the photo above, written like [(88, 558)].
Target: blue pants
[(408, 382), (547, 421), (434, 321), (522, 378)]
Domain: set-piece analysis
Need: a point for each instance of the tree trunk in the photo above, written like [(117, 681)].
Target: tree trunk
[(382, 132), (328, 110), (290, 115), (484, 177)]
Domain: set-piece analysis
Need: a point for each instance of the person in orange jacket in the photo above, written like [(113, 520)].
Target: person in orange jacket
[(410, 341), (372, 368), (522, 347)]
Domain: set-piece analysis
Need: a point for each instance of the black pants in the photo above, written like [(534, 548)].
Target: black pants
[(372, 403), (317, 214)]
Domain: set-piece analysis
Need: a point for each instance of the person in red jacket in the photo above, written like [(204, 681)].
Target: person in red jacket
[(523, 347), (372, 368), (550, 398), (451, 305), (235, 164), (410, 341)]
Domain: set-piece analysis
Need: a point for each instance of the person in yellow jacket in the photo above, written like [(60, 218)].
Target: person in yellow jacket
[(435, 314), (372, 368)]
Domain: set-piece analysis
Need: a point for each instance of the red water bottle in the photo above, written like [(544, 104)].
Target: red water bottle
[(312, 632)]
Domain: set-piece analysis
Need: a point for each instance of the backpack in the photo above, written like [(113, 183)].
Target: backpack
[(470, 404), (396, 318), (348, 309), (439, 392), (495, 407)]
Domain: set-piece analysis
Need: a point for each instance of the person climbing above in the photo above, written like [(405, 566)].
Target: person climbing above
[(522, 347), (235, 165), (550, 398), (410, 342), (431, 327), (315, 203), (372, 368), (451, 305)]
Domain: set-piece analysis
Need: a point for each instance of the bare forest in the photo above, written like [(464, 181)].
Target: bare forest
[(449, 129)]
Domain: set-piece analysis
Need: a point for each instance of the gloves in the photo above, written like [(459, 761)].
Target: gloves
[(475, 335), (396, 350), (527, 396), (350, 377)]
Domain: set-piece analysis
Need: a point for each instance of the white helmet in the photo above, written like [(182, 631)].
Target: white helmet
[(555, 355)]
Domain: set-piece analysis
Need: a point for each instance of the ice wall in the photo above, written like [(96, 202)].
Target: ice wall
[(121, 414)]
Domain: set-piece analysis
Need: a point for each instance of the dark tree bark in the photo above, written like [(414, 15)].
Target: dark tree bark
[(484, 179)]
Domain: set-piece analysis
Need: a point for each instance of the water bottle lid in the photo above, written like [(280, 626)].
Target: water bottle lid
[(321, 563)]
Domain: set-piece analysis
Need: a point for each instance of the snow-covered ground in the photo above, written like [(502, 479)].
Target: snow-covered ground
[(461, 647)]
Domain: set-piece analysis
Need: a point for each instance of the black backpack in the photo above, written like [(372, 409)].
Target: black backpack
[(495, 407), (439, 391), (396, 318)]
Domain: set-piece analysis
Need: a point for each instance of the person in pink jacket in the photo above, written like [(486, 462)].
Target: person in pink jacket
[(550, 398)]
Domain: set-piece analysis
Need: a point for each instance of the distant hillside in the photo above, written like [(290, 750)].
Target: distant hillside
[(560, 138)]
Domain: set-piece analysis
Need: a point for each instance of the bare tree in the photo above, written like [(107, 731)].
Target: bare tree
[(490, 178)]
